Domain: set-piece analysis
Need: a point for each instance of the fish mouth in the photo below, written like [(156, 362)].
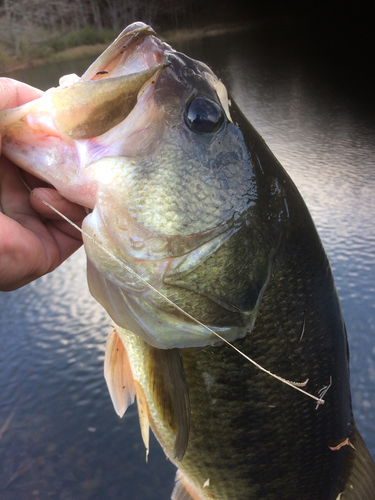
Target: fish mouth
[(108, 91), (57, 128)]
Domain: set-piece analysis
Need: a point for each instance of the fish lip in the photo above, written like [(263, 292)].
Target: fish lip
[(137, 27), (127, 43)]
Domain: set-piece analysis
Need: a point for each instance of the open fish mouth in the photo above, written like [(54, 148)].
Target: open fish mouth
[(111, 92), (63, 127)]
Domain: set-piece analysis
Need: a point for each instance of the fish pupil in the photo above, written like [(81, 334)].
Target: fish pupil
[(203, 115), (200, 116)]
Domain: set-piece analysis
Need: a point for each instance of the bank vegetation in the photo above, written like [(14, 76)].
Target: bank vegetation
[(37, 29)]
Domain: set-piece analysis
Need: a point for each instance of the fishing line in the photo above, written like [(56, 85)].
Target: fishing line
[(294, 385)]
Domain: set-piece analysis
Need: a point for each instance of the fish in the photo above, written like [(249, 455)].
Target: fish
[(205, 256)]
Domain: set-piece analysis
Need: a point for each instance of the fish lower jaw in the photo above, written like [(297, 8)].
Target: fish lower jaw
[(166, 330), (178, 334)]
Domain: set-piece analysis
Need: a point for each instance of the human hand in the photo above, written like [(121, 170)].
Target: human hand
[(34, 240)]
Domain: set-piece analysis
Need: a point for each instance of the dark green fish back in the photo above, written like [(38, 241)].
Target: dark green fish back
[(262, 439)]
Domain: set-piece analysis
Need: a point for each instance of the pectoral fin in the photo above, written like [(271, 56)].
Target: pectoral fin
[(143, 416), (184, 489), (118, 374), (171, 394)]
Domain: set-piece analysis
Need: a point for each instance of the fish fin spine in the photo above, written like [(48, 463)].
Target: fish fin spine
[(118, 374), (143, 414)]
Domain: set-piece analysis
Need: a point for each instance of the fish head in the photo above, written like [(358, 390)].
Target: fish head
[(185, 211), (146, 140)]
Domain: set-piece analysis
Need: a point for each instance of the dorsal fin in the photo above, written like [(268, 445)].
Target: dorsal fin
[(171, 394), (118, 374)]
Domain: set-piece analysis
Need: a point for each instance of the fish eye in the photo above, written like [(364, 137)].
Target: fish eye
[(204, 115)]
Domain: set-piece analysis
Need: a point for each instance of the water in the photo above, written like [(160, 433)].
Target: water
[(64, 440)]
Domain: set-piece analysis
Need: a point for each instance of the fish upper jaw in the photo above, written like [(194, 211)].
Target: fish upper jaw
[(136, 48)]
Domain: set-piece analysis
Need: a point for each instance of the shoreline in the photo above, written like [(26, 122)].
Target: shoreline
[(95, 50)]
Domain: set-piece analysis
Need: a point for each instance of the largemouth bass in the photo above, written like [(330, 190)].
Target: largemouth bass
[(184, 191)]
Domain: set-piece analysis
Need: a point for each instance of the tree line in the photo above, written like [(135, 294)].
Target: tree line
[(30, 22)]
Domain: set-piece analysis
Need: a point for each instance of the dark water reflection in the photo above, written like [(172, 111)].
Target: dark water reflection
[(64, 439)]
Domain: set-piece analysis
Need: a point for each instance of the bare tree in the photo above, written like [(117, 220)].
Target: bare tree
[(24, 23), (122, 12), (96, 14)]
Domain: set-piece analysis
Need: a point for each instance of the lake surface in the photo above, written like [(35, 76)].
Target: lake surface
[(60, 437)]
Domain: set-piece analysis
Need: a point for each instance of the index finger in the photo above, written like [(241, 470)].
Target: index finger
[(14, 93)]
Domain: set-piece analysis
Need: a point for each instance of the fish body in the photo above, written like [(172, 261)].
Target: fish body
[(185, 192)]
